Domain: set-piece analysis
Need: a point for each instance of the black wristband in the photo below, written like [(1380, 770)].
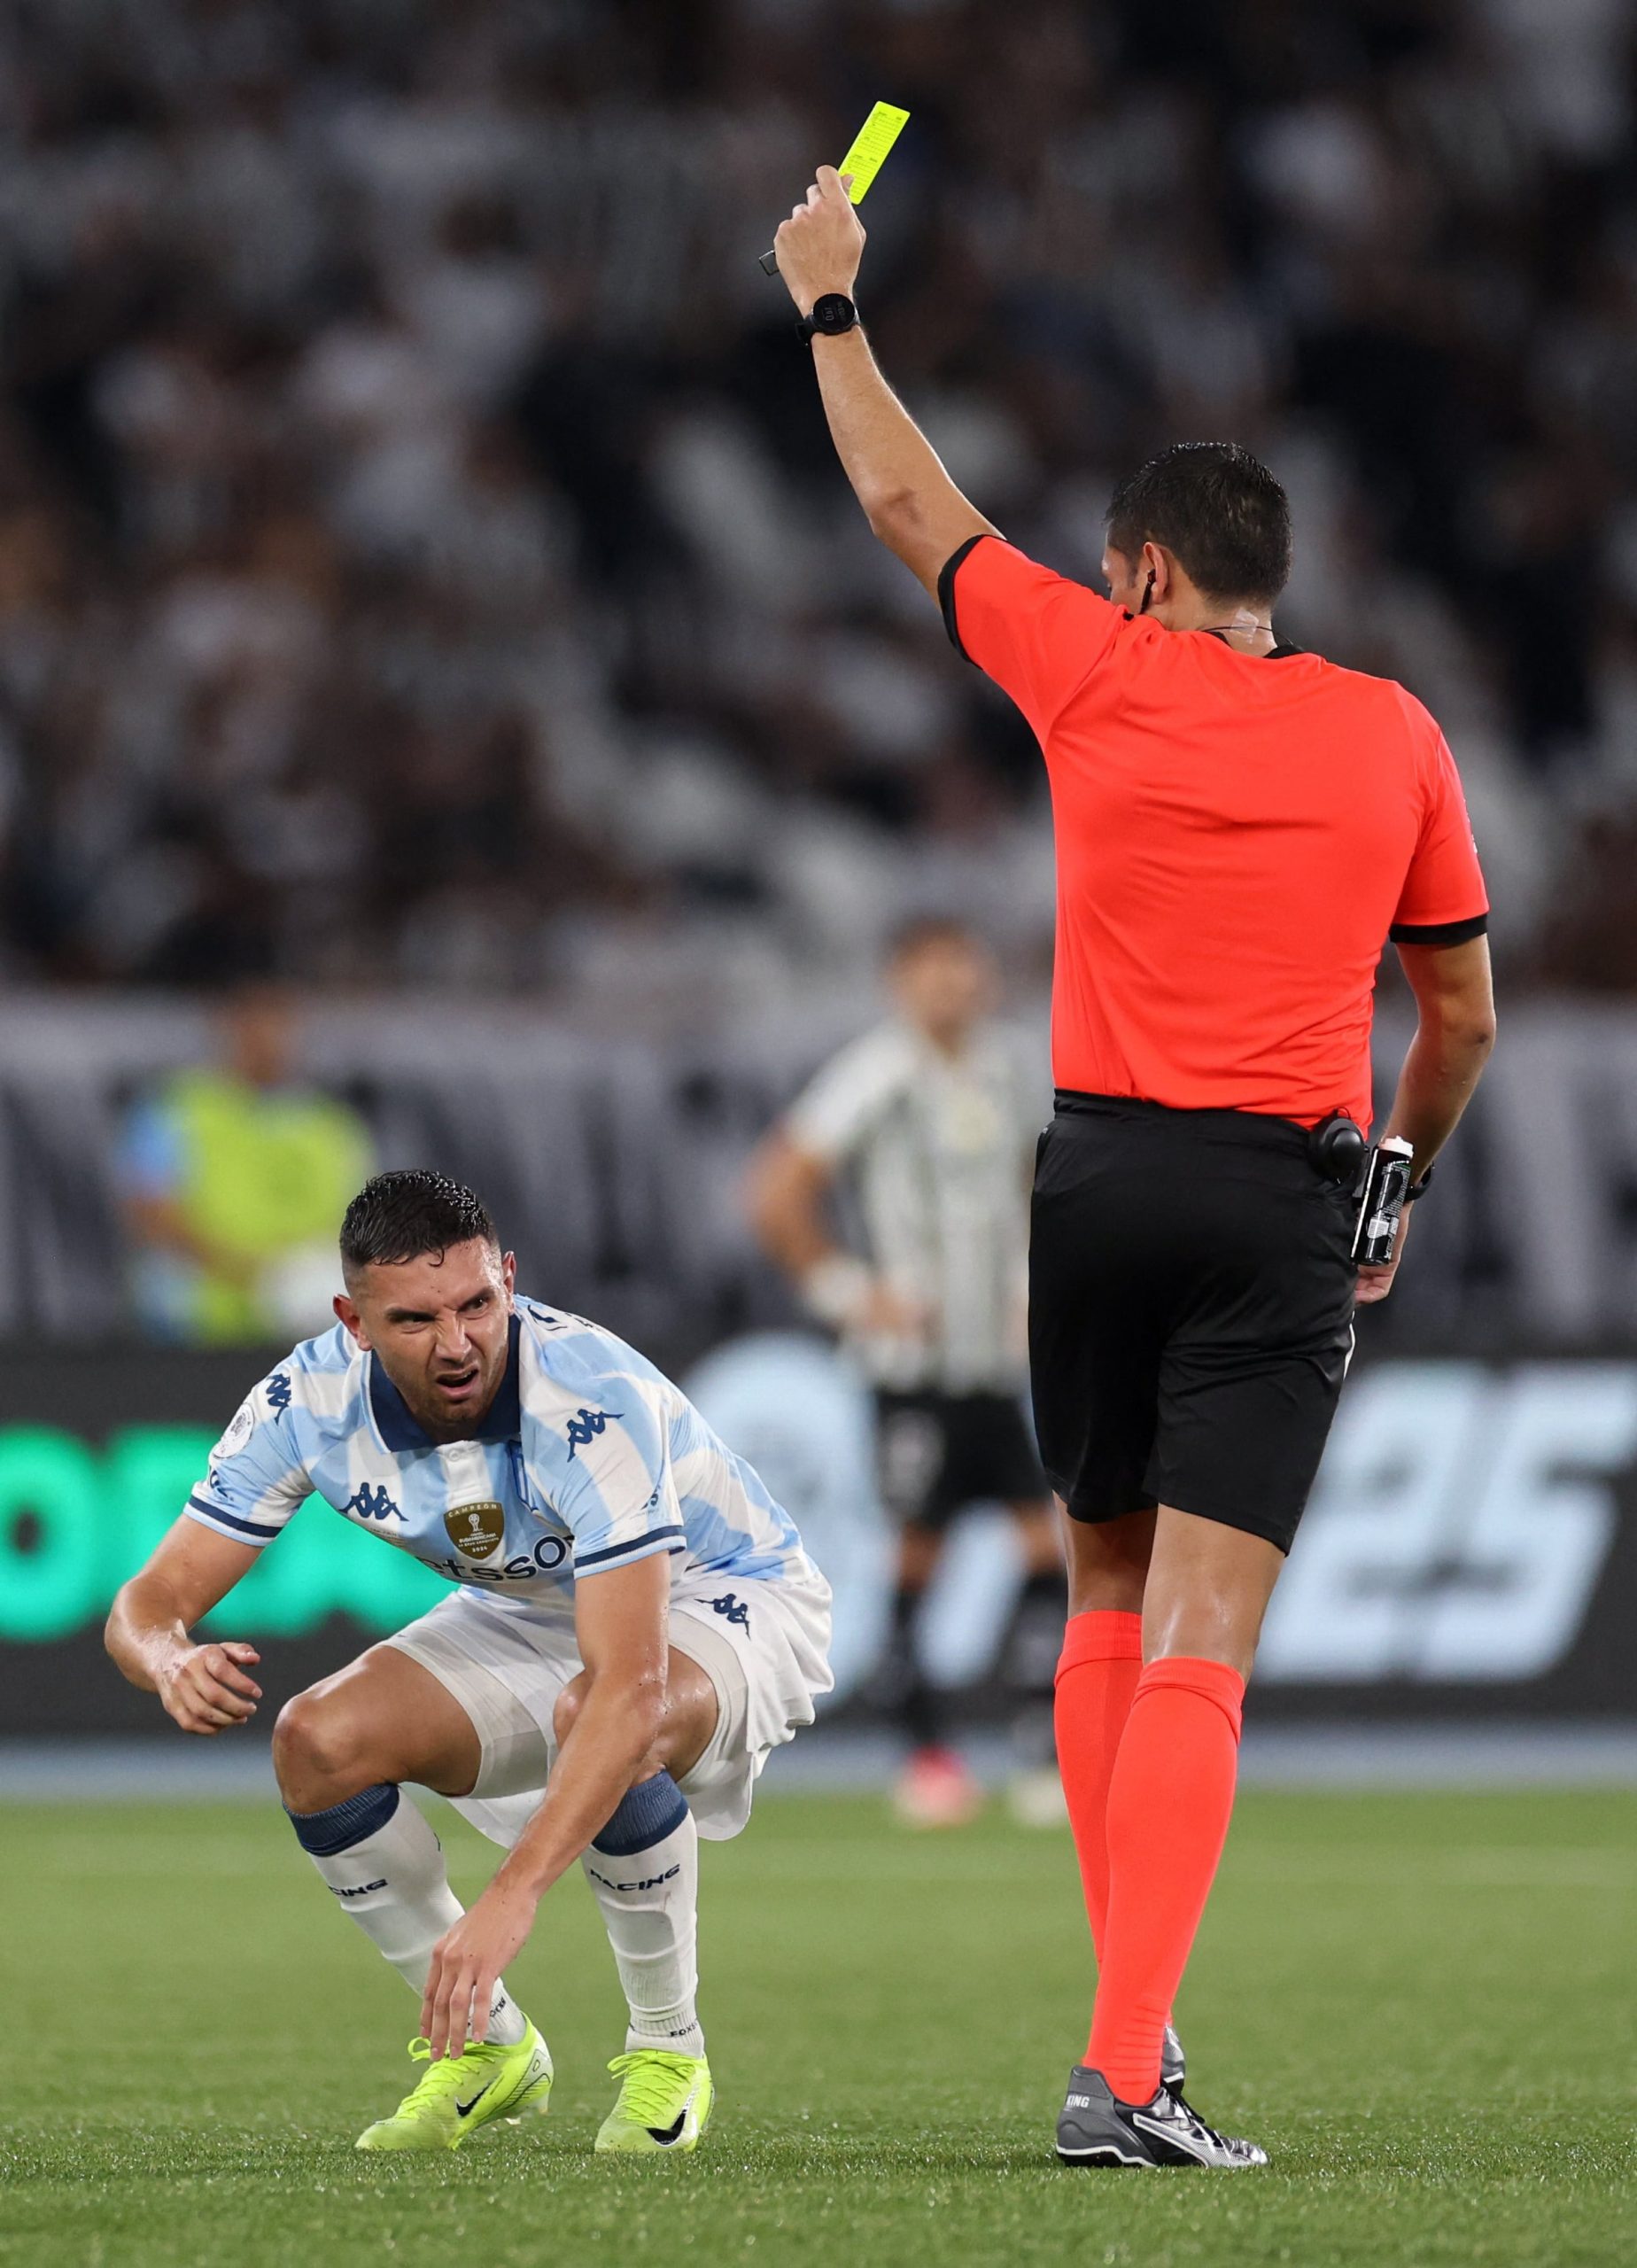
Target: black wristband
[(1419, 1188)]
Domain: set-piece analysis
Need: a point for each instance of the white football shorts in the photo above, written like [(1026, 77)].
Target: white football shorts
[(763, 1645)]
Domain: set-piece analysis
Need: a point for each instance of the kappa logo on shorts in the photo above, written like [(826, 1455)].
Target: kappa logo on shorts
[(585, 1428), (476, 1529), (732, 1610)]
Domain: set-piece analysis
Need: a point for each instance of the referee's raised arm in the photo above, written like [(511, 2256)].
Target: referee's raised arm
[(1240, 828), (910, 500)]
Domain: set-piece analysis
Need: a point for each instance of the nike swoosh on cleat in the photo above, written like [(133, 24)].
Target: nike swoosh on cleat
[(1170, 2134), (464, 2109), (673, 2132)]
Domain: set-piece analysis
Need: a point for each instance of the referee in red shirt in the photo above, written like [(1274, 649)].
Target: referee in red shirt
[(1239, 827)]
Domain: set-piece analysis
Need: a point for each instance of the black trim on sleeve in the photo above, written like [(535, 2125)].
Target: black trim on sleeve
[(946, 592), (256, 1528), (1439, 933), (670, 1536)]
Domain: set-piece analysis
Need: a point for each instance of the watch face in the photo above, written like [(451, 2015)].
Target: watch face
[(832, 312)]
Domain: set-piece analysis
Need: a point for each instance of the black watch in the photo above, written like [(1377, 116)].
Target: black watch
[(832, 313), (1420, 1188)]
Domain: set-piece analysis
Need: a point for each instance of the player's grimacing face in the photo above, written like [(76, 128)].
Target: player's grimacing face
[(439, 1325)]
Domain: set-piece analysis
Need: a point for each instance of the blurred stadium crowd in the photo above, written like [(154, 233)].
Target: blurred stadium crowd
[(422, 560)]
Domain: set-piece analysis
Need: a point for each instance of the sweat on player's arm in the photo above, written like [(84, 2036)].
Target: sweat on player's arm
[(634, 1626)]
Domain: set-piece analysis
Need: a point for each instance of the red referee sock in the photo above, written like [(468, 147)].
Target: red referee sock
[(1096, 1676), (1168, 1807)]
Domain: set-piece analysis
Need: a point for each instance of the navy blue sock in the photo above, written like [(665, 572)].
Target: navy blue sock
[(324, 1833), (649, 1812)]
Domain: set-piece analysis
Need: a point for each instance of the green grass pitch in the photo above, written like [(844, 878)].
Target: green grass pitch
[(1421, 2004)]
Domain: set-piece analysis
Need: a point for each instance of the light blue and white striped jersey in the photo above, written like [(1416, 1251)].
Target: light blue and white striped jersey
[(589, 1458)]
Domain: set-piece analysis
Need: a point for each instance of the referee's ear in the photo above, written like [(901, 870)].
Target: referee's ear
[(1143, 584), (1157, 572)]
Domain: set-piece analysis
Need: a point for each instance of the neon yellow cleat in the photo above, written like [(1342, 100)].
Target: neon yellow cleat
[(459, 2094), (664, 2103)]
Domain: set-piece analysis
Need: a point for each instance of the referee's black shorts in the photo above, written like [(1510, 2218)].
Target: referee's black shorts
[(1191, 1312)]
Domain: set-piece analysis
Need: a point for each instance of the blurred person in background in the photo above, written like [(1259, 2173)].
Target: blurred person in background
[(232, 1175), (932, 1119)]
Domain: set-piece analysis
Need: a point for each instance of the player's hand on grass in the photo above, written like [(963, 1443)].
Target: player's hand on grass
[(206, 1689), (821, 243), (468, 1963), (1376, 1283)]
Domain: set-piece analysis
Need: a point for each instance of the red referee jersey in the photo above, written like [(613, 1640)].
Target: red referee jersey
[(1236, 836)]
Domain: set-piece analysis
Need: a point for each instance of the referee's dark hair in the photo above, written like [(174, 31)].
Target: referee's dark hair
[(1218, 511), (399, 1215)]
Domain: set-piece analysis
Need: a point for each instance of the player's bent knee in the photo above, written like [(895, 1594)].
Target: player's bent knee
[(566, 1708), (317, 1757), (690, 1717)]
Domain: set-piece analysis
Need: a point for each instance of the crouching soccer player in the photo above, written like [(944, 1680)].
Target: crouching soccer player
[(636, 1627)]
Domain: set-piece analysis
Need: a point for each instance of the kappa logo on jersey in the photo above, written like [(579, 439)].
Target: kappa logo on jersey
[(476, 1529), (372, 1505), (585, 1428), (278, 1391), (732, 1610)]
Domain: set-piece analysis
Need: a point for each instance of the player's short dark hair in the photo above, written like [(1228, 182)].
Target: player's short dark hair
[(1218, 511), (398, 1216), (923, 929)]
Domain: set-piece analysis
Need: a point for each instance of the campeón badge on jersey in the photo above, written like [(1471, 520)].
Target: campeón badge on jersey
[(476, 1529)]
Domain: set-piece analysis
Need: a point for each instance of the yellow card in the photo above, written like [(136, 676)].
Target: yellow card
[(871, 145)]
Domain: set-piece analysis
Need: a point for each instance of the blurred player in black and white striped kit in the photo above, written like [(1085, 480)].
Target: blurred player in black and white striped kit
[(932, 1118)]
